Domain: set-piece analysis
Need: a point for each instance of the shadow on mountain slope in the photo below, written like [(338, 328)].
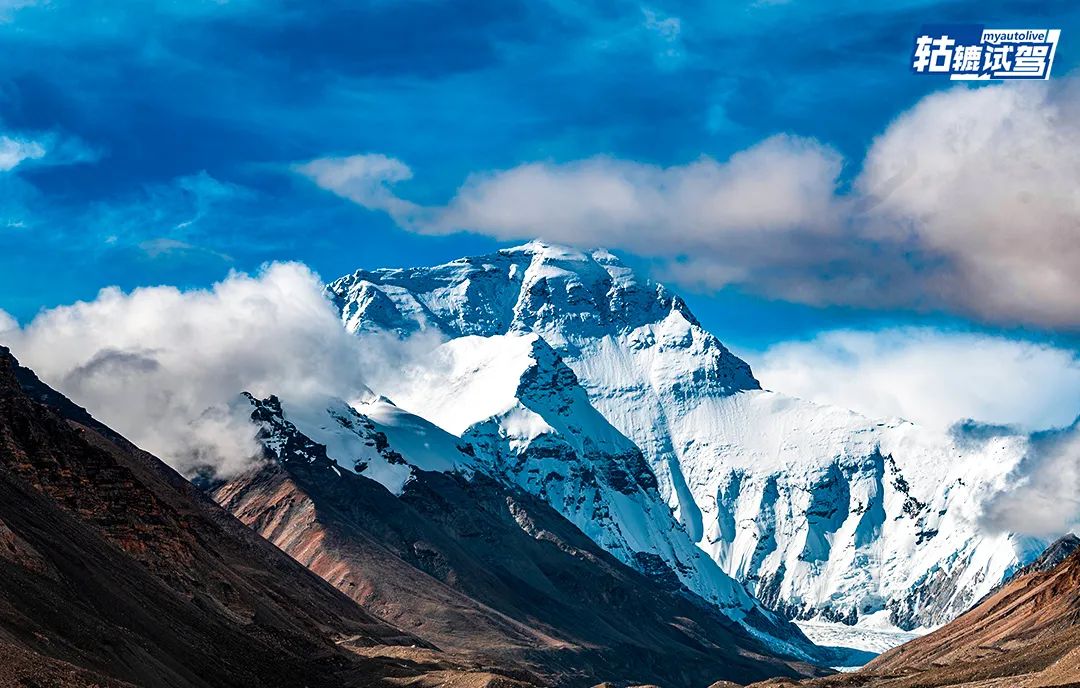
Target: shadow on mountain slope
[(115, 570)]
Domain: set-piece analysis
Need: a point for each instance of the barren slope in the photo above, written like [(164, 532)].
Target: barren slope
[(114, 567)]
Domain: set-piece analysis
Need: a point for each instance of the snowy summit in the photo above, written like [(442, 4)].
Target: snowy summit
[(819, 511)]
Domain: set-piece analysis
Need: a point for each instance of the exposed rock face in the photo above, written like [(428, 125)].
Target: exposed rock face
[(114, 570), (820, 512), (479, 566)]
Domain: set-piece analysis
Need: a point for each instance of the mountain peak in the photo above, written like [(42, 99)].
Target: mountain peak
[(573, 298), (541, 250), (539, 247), (814, 508)]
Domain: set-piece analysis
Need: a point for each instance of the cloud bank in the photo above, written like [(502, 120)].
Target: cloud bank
[(929, 376), (1043, 497), (164, 367), (987, 180), (965, 203)]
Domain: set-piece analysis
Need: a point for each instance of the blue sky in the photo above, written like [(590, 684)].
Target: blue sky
[(172, 130)]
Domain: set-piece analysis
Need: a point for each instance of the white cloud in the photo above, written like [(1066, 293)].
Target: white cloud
[(966, 203), (365, 179), (15, 151), (1044, 494), (929, 376), (49, 148), (782, 184), (938, 378), (988, 178), (162, 366), (7, 322)]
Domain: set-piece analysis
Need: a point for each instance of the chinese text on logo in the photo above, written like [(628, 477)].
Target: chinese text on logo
[(972, 52)]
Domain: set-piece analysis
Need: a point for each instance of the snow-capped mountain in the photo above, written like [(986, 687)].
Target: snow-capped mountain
[(569, 375), (518, 415), (332, 430), (447, 546), (521, 410)]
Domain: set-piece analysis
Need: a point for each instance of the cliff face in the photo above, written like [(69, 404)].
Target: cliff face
[(115, 569)]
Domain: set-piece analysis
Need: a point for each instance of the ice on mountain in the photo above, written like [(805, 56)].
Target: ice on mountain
[(819, 511)]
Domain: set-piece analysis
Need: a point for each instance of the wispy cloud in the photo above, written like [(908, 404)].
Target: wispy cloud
[(163, 246), (48, 148), (365, 179), (13, 151), (9, 8), (667, 32), (166, 219)]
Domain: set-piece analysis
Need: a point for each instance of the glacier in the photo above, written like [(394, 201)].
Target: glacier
[(598, 390)]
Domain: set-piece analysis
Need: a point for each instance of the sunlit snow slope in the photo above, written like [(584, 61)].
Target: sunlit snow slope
[(563, 369)]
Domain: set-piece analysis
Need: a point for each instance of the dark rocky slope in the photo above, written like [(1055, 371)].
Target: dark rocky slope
[(114, 570)]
